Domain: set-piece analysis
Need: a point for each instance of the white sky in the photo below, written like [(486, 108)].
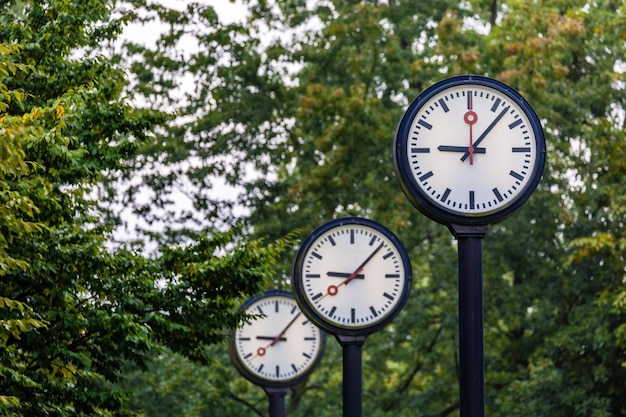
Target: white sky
[(228, 11), (147, 34)]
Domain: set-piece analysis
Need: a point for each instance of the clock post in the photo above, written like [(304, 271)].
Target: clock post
[(351, 277), (471, 345), (352, 347), (276, 397), (468, 152)]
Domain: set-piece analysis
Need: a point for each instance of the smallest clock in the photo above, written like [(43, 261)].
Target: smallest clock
[(279, 346)]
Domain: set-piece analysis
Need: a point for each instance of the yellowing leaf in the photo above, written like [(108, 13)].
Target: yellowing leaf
[(60, 111)]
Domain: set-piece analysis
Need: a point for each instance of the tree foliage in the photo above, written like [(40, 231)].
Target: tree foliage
[(75, 309), (295, 106)]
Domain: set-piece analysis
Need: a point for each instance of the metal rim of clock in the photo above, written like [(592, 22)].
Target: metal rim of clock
[(310, 311), (258, 380), (423, 201)]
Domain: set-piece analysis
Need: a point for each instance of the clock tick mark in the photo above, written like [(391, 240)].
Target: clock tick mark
[(425, 124), (495, 105), (445, 195), (444, 106), (497, 194), (426, 176)]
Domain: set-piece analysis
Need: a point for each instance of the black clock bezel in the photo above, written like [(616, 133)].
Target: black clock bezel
[(257, 379), (422, 201), (309, 309)]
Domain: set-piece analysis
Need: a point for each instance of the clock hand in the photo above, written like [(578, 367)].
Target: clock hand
[(282, 339), (369, 258), (470, 117), (446, 148), (491, 126), (334, 289), (281, 334), (262, 350), (344, 275)]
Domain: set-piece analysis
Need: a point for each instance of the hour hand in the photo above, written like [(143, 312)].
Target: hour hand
[(282, 339), (344, 275), (446, 148)]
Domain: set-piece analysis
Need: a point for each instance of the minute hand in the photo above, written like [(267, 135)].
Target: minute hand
[(486, 132), (360, 268)]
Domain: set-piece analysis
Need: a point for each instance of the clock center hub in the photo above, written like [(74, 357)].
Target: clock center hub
[(333, 290), (470, 117)]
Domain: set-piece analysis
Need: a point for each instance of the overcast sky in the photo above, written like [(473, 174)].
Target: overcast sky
[(147, 34)]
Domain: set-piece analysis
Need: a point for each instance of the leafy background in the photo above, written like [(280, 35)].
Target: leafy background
[(123, 263)]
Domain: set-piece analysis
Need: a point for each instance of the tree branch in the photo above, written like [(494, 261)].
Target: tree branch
[(247, 404), (419, 364)]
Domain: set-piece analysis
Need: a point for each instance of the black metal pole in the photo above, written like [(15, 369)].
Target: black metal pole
[(352, 375), (277, 400), (471, 352)]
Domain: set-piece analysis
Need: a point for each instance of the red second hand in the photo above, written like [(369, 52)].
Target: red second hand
[(470, 118)]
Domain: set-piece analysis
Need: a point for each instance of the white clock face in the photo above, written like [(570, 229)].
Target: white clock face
[(471, 149), (281, 344), (353, 276)]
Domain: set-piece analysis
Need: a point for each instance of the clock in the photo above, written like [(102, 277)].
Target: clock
[(469, 150), (280, 346), (351, 276)]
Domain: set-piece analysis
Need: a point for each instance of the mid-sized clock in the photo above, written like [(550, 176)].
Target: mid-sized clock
[(469, 150), (351, 276), (279, 346)]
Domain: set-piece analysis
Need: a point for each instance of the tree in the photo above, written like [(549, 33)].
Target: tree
[(73, 309), (16, 317)]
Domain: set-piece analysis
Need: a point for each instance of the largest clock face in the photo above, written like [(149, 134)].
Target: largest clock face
[(280, 346), (351, 276), (469, 147)]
